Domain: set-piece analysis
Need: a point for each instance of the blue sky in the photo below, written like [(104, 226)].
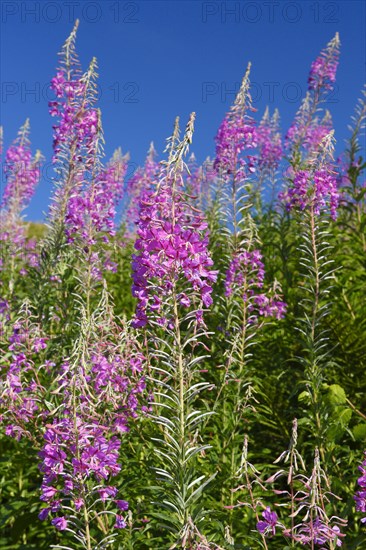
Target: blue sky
[(160, 59)]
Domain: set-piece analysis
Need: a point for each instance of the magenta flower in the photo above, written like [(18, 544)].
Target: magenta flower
[(122, 505), (48, 492), (43, 514), (360, 496), (323, 70), (307, 132), (107, 492), (318, 190), (269, 522), (60, 523), (236, 134), (82, 450), (142, 180), (318, 532), (172, 247), (22, 394), (39, 344), (22, 174), (91, 209), (120, 522), (269, 142), (246, 276)]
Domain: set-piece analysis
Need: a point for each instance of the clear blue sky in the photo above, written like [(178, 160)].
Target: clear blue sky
[(160, 59)]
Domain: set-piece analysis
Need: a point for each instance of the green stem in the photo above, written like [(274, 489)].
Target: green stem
[(182, 416)]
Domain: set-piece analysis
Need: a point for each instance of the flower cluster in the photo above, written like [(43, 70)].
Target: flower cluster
[(90, 192), (98, 397), (317, 532), (310, 134), (316, 132), (74, 453), (91, 209), (307, 131), (21, 391), (236, 133), (173, 258), (318, 190), (172, 243), (323, 70), (22, 173), (246, 275), (141, 180), (118, 382), (269, 142), (360, 496), (234, 136), (84, 202), (78, 121)]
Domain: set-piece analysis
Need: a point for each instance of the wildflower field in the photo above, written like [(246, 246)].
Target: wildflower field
[(189, 373)]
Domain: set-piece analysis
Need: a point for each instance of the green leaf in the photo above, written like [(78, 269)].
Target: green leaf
[(359, 432), (337, 395)]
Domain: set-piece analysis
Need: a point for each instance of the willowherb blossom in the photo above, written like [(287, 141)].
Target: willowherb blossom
[(142, 180), (269, 141), (75, 452), (317, 532), (306, 133), (318, 190), (269, 522), (169, 248), (73, 106), (84, 199), (21, 395), (172, 246), (323, 69), (99, 397), (91, 208), (118, 382), (60, 523), (236, 134), (22, 174), (360, 496), (246, 277), (309, 134), (316, 132), (87, 193), (317, 528)]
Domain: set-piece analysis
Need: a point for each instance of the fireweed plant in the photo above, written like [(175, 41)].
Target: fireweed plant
[(313, 192), (172, 281), (152, 416), (247, 301), (21, 173)]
